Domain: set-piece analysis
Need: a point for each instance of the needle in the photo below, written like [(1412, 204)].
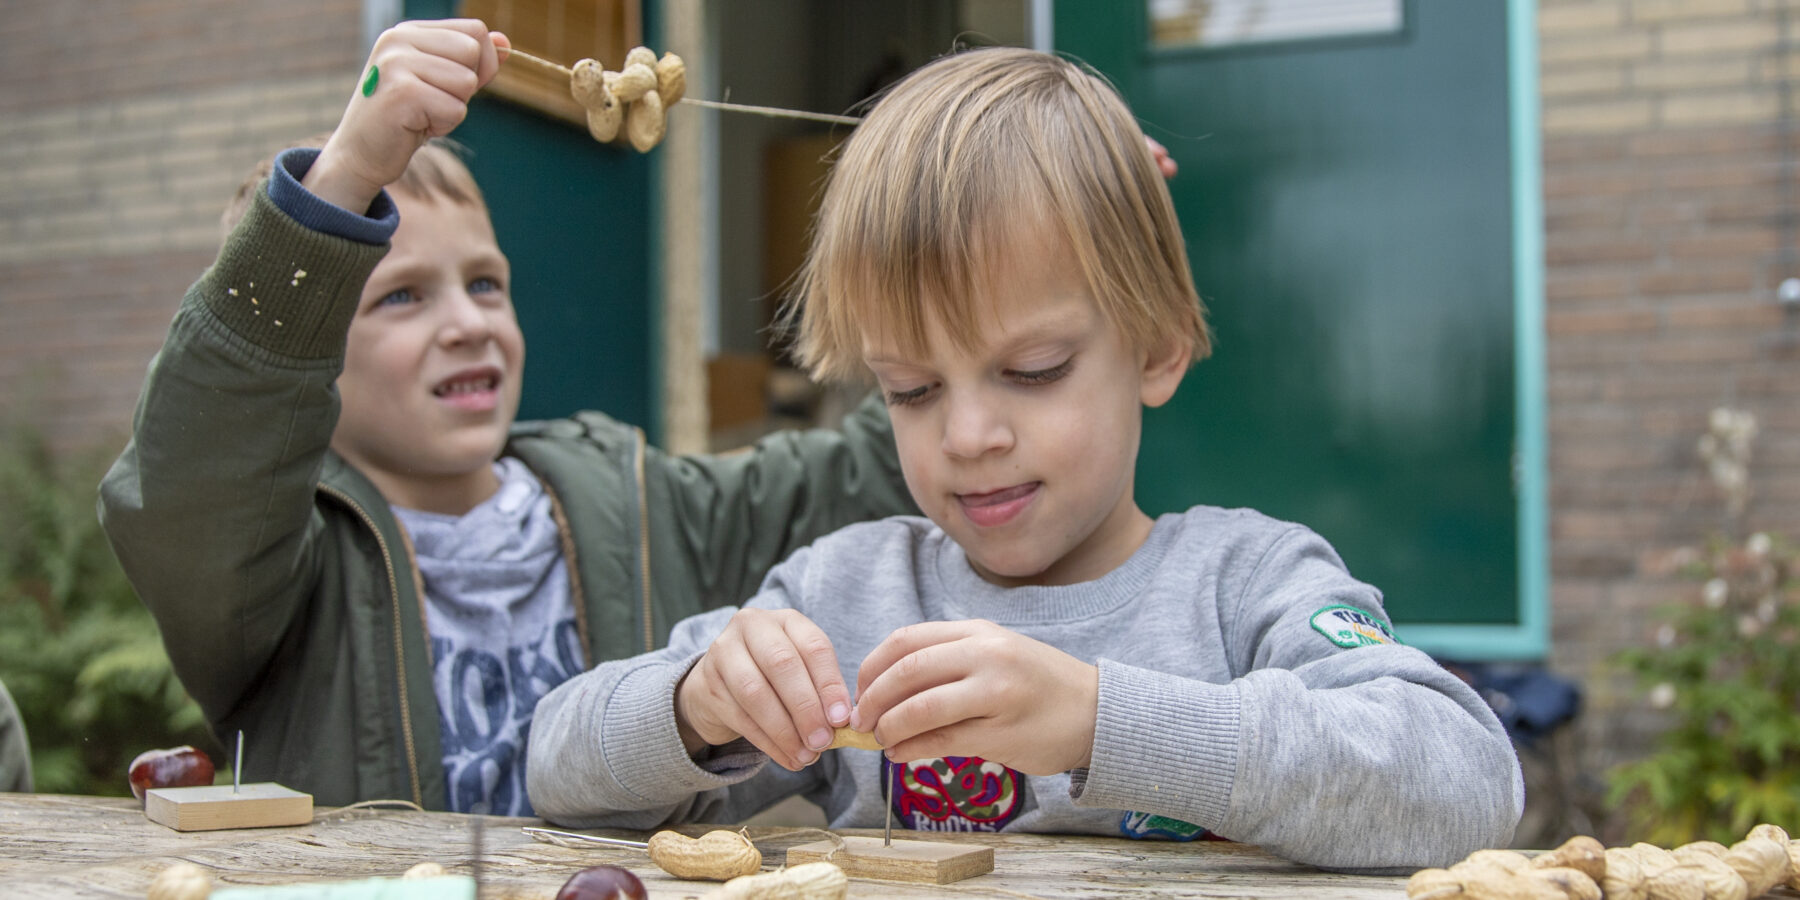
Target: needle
[(237, 767), (477, 822), (571, 839), (887, 800)]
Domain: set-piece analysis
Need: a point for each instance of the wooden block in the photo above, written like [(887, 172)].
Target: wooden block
[(928, 862), (215, 806)]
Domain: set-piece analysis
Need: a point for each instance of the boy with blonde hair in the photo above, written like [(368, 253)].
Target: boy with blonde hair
[(998, 249), (354, 553)]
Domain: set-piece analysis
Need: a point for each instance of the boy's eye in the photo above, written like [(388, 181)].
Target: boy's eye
[(396, 298), (907, 398), (484, 286), (1043, 376)]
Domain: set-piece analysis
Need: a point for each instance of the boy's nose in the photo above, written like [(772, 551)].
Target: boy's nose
[(464, 319), (975, 425)]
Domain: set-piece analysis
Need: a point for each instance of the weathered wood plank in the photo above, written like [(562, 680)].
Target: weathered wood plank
[(93, 847)]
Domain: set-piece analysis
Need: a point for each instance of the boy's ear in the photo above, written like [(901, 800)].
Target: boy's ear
[(1164, 367)]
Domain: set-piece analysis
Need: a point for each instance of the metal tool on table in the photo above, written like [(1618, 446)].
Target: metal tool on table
[(475, 844), (571, 839), (887, 800)]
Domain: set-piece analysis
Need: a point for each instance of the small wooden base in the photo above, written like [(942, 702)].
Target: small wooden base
[(927, 862), (215, 806)]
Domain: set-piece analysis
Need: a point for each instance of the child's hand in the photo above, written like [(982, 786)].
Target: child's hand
[(416, 86), (973, 688), (770, 677)]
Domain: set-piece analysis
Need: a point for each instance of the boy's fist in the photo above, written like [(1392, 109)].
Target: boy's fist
[(416, 86)]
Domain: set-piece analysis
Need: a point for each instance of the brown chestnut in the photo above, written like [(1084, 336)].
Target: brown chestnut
[(602, 883), (176, 767)]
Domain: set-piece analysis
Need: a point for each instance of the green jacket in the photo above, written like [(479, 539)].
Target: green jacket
[(285, 590)]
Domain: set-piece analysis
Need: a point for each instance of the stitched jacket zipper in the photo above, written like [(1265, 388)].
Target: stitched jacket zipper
[(387, 557), (577, 594)]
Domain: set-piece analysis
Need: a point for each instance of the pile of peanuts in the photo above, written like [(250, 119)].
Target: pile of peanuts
[(1582, 869), (637, 96)]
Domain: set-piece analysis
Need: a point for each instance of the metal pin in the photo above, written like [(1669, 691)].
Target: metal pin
[(237, 766), (476, 821), (887, 800), (571, 839)]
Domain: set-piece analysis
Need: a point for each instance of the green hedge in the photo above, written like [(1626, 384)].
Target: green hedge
[(80, 655)]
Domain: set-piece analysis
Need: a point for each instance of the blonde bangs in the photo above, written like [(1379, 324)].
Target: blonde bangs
[(437, 170), (968, 158)]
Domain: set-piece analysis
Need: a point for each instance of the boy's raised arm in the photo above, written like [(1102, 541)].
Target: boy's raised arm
[(210, 508)]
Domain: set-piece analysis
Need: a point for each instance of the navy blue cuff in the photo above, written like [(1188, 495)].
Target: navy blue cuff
[(305, 207)]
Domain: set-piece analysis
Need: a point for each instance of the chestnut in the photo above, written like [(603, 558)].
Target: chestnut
[(602, 883), (176, 767)]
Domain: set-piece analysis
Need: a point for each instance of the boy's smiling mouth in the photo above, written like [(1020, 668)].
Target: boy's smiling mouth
[(474, 390), (998, 507)]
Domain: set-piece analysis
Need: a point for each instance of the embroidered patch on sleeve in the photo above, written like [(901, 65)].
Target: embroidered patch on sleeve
[(1144, 825), (1347, 626)]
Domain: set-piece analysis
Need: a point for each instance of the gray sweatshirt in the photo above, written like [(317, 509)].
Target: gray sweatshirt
[(1249, 688)]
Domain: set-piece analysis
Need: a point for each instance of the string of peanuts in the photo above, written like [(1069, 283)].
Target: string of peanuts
[(638, 96)]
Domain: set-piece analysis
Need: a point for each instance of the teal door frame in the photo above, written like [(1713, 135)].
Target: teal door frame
[(1526, 636)]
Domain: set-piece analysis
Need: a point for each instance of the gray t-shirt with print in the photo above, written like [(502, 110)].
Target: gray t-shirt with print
[(503, 632)]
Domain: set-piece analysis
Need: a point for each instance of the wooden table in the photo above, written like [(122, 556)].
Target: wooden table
[(64, 847)]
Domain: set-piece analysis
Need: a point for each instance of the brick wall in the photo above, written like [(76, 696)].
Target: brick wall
[(1671, 204), (125, 125)]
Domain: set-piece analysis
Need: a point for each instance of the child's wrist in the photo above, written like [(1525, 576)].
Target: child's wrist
[(691, 741), (332, 182)]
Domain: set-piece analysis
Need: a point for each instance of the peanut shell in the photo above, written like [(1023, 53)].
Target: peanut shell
[(1713, 849), (181, 881), (644, 122), (671, 80), (1624, 879), (714, 856), (807, 881), (1793, 852), (1579, 852), (1773, 832), (587, 83), (1573, 883), (634, 81), (1504, 860), (1761, 862), (1678, 883), (640, 56), (1653, 858)]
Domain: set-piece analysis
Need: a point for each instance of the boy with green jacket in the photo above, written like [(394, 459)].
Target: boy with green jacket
[(355, 555)]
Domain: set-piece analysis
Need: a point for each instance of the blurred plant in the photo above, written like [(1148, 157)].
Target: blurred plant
[(1726, 669), (80, 655), (1726, 448)]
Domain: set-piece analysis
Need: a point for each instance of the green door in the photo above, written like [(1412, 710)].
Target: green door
[(1350, 209), (575, 219)]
